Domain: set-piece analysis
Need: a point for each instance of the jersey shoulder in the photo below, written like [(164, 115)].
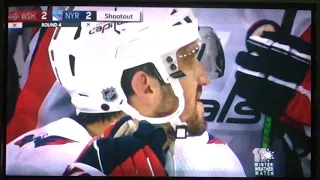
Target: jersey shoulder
[(52, 147), (211, 158), (65, 128), (217, 148)]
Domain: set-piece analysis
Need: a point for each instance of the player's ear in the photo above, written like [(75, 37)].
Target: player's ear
[(145, 87)]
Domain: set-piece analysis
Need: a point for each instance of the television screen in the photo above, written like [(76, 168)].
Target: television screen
[(158, 91)]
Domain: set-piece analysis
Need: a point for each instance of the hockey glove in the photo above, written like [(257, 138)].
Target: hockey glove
[(274, 76), (138, 154)]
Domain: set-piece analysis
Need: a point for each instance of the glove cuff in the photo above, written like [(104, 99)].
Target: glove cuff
[(256, 26)]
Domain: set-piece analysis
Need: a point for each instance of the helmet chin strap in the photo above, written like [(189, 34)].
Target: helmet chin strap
[(173, 118)]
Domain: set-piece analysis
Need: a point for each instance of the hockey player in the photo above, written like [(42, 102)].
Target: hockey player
[(150, 77), (41, 89)]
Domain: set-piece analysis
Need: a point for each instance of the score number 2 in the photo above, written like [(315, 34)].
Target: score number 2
[(44, 15), (91, 15), (88, 15)]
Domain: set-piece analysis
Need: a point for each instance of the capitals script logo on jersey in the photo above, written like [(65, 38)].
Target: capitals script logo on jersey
[(43, 140)]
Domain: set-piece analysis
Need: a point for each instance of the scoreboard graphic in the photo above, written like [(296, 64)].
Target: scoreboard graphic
[(263, 162), (60, 18)]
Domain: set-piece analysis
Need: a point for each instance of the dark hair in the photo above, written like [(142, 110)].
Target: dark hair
[(126, 79), (89, 118)]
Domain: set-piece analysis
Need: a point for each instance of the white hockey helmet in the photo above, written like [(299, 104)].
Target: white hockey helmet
[(89, 63)]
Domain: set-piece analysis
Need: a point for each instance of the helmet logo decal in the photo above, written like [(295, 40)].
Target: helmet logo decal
[(109, 94), (103, 27)]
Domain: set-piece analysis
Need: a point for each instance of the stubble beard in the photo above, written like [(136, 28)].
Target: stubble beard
[(169, 102)]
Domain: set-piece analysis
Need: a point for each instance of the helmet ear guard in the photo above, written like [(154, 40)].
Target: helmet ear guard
[(164, 67)]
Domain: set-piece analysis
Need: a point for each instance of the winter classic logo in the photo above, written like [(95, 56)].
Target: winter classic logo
[(109, 94)]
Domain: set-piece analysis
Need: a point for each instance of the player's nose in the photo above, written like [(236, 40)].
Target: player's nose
[(203, 76)]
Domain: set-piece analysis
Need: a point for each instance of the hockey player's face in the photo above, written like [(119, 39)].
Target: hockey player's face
[(192, 83), (160, 99)]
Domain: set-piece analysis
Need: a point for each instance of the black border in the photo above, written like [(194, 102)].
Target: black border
[(313, 5), (315, 99), (256, 4)]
